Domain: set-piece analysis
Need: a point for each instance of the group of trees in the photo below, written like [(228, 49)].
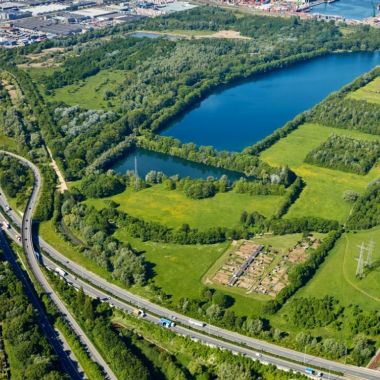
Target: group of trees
[(366, 211), (29, 354), (95, 229), (304, 224), (291, 196), (101, 185), (15, 179), (314, 312), (346, 154), (339, 111)]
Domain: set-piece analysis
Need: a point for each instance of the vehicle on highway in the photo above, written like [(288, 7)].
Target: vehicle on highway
[(139, 313), (309, 371), (6, 225), (166, 323), (60, 271), (196, 323)]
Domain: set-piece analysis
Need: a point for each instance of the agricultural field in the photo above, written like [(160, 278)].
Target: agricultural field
[(321, 183), (337, 277), (173, 208), (370, 92)]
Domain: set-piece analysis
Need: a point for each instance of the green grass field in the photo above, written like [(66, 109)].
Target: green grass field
[(370, 92), (89, 93), (322, 195), (337, 277), (173, 208), (177, 269)]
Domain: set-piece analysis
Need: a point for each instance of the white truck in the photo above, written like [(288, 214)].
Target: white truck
[(196, 323), (6, 225), (60, 271)]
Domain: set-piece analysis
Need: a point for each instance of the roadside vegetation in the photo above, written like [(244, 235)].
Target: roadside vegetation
[(27, 350)]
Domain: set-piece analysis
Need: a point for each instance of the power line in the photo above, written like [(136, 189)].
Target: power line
[(360, 267)]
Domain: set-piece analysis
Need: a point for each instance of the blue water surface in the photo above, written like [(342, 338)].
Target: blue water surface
[(242, 115), (349, 9), (246, 113)]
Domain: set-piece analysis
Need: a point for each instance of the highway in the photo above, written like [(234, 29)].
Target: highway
[(33, 261), (209, 334)]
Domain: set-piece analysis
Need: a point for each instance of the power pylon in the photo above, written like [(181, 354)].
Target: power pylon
[(136, 171), (360, 267)]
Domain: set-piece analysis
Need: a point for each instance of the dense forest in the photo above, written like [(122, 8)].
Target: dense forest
[(28, 351), (366, 211), (15, 179), (345, 153)]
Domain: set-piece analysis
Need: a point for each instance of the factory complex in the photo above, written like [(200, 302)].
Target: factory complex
[(28, 21)]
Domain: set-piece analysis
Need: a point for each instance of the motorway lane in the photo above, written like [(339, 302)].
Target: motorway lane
[(258, 345), (27, 243)]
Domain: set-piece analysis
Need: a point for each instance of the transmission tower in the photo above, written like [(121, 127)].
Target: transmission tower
[(368, 261), (136, 171), (360, 267)]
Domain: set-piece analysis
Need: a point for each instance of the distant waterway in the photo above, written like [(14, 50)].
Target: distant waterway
[(349, 9), (147, 160), (236, 117), (154, 35)]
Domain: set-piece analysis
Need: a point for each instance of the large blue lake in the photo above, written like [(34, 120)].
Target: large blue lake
[(349, 9), (246, 113), (239, 116)]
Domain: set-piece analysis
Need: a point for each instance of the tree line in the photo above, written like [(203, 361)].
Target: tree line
[(366, 211)]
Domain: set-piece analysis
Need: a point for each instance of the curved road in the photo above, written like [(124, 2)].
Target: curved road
[(99, 287), (33, 261)]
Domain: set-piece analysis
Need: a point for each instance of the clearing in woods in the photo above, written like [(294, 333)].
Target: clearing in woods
[(172, 208)]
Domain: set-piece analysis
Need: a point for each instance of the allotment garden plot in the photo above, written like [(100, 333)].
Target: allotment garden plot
[(261, 269)]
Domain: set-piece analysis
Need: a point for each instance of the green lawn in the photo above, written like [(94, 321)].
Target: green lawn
[(173, 208), (177, 269), (324, 187), (370, 92), (336, 276), (90, 92)]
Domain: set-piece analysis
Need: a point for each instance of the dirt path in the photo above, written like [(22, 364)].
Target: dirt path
[(62, 183)]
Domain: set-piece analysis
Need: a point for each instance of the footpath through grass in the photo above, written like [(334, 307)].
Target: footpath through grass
[(323, 194), (173, 208)]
